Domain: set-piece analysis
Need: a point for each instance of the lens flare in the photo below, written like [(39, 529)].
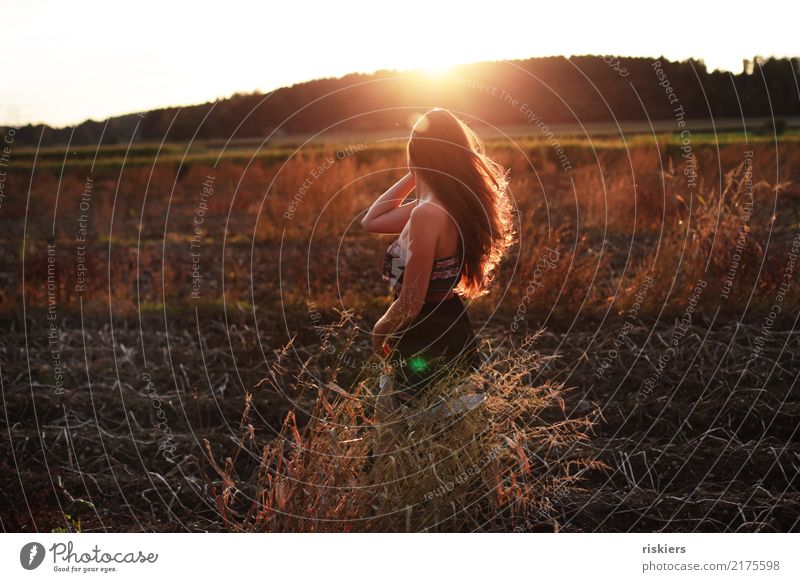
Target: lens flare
[(418, 364)]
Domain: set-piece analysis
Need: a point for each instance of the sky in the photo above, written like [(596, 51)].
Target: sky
[(65, 62)]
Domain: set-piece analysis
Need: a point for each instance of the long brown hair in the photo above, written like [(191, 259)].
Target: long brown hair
[(473, 189)]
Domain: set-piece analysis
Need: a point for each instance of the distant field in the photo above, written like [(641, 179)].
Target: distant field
[(188, 267), (278, 147)]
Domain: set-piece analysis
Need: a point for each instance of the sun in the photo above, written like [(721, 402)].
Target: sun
[(436, 69)]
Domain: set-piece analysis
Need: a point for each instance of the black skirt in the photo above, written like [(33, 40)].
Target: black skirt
[(439, 342)]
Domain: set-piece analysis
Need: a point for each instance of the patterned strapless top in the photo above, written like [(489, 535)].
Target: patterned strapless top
[(445, 274)]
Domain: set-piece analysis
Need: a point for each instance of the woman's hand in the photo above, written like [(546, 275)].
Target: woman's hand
[(379, 338)]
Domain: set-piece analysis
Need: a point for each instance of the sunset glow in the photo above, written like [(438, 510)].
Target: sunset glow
[(92, 59)]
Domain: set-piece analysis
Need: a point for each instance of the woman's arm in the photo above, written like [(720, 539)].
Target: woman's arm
[(386, 215), (422, 239)]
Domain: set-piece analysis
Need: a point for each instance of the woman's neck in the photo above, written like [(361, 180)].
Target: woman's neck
[(424, 192)]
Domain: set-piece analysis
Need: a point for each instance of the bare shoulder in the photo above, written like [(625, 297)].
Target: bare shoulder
[(425, 224), (428, 214)]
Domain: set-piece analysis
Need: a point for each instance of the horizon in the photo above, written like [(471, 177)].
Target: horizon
[(435, 73), (134, 74)]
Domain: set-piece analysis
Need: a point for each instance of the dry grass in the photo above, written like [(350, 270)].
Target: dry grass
[(630, 212), (484, 469), (713, 448)]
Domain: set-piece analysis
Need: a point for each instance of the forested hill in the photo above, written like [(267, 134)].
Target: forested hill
[(554, 89)]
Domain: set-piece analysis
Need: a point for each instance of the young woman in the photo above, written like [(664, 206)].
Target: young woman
[(450, 240)]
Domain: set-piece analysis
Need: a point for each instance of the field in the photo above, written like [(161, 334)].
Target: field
[(168, 310)]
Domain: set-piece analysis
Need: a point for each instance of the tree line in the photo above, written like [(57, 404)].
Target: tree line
[(558, 90)]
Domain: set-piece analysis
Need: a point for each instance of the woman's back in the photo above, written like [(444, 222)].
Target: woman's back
[(447, 260)]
